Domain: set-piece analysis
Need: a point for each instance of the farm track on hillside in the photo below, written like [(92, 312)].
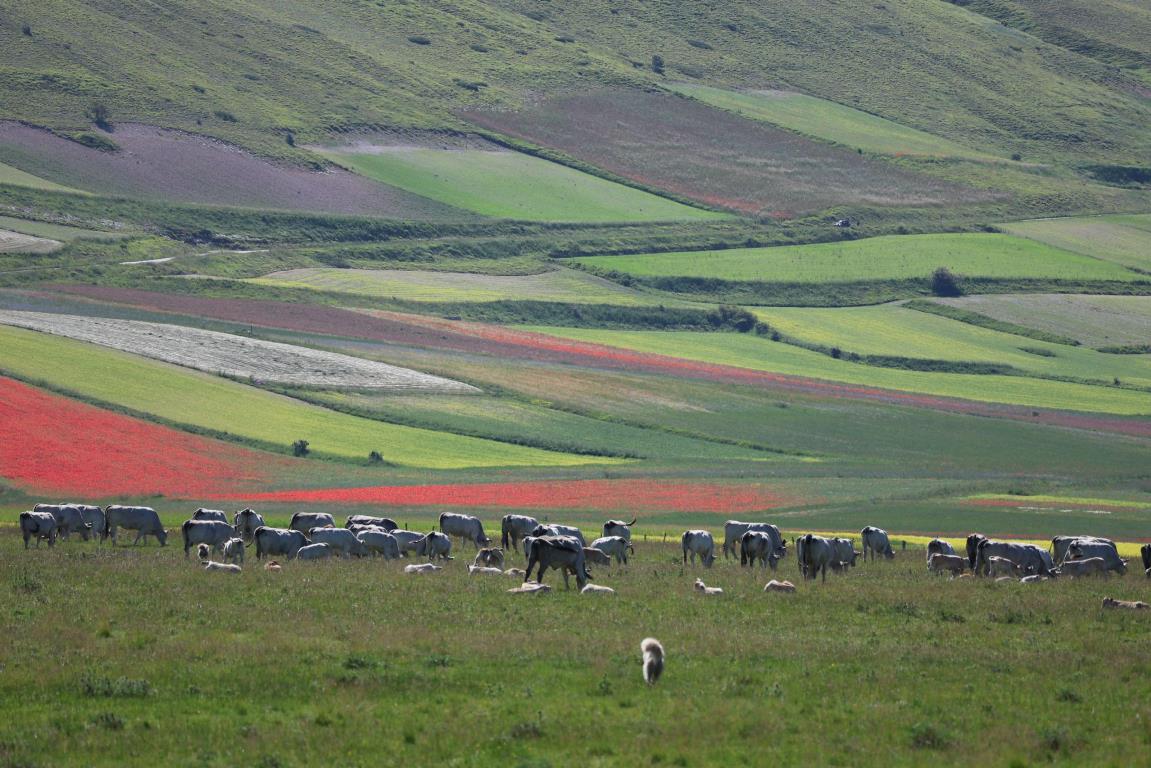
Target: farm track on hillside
[(15, 242), (232, 355)]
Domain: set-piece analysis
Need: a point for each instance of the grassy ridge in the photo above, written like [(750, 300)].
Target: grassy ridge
[(756, 353), (510, 185), (226, 407)]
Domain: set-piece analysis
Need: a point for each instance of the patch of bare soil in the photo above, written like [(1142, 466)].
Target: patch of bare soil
[(158, 162), (16, 242), (238, 356)]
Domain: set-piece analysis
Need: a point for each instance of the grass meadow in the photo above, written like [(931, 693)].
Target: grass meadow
[(875, 258), (133, 656), (758, 353), (1096, 321), (1122, 239), (827, 120), (225, 407), (512, 185), (12, 175)]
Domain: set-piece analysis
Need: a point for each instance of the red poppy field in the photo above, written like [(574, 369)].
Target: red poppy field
[(53, 445), (602, 495)]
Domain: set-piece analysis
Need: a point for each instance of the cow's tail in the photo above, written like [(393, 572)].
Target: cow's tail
[(107, 522), (805, 561), (504, 532)]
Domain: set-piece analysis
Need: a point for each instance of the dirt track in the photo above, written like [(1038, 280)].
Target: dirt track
[(233, 355), (12, 242)]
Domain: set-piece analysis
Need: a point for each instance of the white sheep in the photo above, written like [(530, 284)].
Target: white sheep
[(422, 568)]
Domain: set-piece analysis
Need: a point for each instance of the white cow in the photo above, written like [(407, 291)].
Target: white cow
[(734, 529), (614, 546), (214, 533), (618, 528), (1085, 567), (815, 555), (953, 564), (1001, 566), (555, 529), (406, 539), (143, 520), (464, 527), (305, 521), (38, 525), (514, 528), (234, 550), (376, 541), (210, 514), (315, 552), (939, 547), (876, 543), (434, 545), (69, 518), (246, 521), (387, 523), (698, 543), (278, 541), (341, 540), (1105, 550)]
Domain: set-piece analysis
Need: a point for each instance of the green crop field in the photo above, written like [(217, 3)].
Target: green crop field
[(759, 354), (416, 285), (303, 666), (894, 331), (10, 175), (877, 258), (208, 402), (1124, 240), (511, 185), (53, 231), (829, 121), (1097, 321)]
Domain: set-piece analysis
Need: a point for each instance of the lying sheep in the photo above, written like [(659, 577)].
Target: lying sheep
[(596, 589), (515, 573), (224, 567), (479, 570), (492, 557), (530, 588), (779, 586), (1136, 605), (272, 565), (703, 589), (422, 568), (1032, 579)]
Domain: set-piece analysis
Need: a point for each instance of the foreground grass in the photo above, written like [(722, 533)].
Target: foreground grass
[(135, 657)]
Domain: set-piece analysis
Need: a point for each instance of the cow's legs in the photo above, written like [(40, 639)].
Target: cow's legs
[(567, 584)]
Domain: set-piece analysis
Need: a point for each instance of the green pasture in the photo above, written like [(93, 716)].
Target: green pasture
[(303, 666), (207, 402), (757, 353), (829, 121), (53, 231), (12, 175), (1096, 321), (561, 285), (512, 185), (1123, 240), (894, 331), (876, 258)]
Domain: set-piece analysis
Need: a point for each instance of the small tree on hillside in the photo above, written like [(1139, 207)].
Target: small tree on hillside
[(98, 114), (657, 64), (300, 448), (945, 283)]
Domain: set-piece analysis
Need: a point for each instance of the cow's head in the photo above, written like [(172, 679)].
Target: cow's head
[(162, 535)]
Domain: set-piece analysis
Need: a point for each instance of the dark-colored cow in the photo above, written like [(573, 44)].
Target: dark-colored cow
[(562, 553)]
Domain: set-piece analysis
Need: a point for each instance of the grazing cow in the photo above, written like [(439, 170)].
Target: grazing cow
[(515, 573), (704, 589), (387, 523), (653, 657), (272, 565), (596, 589), (530, 588), (93, 516), (514, 528), (246, 521), (618, 528), (1001, 566), (562, 553), (1060, 545), (757, 545), (1080, 549), (481, 570), (341, 540), (698, 543), (614, 546), (555, 529), (940, 563), (733, 530), (434, 545), (38, 525), (315, 552), (876, 543), (422, 568), (843, 551), (1136, 605), (210, 514), (1027, 557), (1085, 567), (378, 542), (278, 541), (595, 556), (406, 539), (973, 542), (306, 521), (222, 567), (492, 557), (464, 527), (815, 555), (214, 533), (234, 551), (778, 586), (1145, 553), (69, 517), (939, 547), (143, 520)]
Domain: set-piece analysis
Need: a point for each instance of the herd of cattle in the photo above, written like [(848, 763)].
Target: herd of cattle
[(314, 535)]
